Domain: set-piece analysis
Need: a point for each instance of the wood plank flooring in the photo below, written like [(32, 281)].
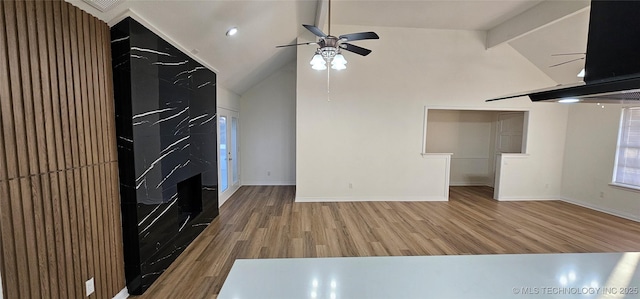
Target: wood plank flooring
[(265, 222)]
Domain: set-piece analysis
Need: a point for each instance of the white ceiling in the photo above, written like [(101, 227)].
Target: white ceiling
[(447, 14), (565, 36), (244, 60)]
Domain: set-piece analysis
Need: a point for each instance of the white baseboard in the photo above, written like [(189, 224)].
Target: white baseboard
[(124, 294), (467, 184), (526, 198), (600, 209), (268, 183), (370, 198)]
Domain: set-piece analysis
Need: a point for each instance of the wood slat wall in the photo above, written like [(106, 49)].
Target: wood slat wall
[(59, 201)]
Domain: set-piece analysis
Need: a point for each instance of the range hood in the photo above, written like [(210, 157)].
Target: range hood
[(612, 62)]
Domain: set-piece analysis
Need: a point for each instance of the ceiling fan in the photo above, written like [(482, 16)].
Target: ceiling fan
[(330, 47)]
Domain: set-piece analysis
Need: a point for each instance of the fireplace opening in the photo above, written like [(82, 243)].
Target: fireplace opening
[(189, 199)]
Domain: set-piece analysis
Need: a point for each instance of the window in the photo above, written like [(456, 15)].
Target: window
[(627, 168)]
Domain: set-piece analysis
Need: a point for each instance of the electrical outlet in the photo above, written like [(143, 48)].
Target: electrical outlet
[(601, 194), (268, 173), (90, 286), (350, 185)]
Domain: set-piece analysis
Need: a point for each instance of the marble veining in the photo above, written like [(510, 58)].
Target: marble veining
[(208, 119), (150, 51), (138, 56), (198, 117), (184, 223), (160, 215), (171, 63), (153, 112), (120, 39), (153, 164), (173, 170), (171, 117)]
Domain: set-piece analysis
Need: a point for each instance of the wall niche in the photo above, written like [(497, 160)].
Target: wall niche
[(165, 106)]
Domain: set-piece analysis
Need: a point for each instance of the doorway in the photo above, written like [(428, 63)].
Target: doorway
[(229, 176), (476, 139)]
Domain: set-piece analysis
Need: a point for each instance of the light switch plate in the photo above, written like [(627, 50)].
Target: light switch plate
[(90, 286)]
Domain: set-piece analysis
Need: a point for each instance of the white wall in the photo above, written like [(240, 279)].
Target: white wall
[(469, 136), (592, 136), (370, 134), (267, 130), (227, 99)]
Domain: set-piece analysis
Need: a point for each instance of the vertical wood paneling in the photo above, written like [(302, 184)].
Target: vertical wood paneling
[(104, 168), (50, 234), (104, 276), (46, 88), (93, 222), (9, 260), (27, 90), (58, 228), (53, 18), (4, 92), (113, 155), (59, 199), (40, 209), (66, 235), (112, 241), (97, 93), (62, 51), (18, 134), (30, 235), (38, 107), (75, 22), (28, 208), (91, 147), (21, 271), (87, 219), (77, 42)]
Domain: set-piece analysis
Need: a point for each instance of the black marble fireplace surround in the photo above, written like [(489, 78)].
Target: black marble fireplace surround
[(166, 128)]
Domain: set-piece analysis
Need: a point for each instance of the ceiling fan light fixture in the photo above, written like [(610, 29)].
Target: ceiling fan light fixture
[(317, 59), (318, 62), (338, 62), (232, 31), (319, 67), (338, 59)]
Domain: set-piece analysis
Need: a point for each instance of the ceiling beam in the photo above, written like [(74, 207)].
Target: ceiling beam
[(541, 15)]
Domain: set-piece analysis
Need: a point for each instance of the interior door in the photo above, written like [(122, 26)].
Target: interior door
[(229, 178)]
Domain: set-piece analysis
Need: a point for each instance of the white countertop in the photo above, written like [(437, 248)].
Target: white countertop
[(540, 276)]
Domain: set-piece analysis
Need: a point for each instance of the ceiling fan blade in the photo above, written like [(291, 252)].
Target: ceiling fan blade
[(300, 44), (359, 36), (572, 60), (315, 30), (355, 49)]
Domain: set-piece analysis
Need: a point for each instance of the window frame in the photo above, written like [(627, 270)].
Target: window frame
[(625, 119)]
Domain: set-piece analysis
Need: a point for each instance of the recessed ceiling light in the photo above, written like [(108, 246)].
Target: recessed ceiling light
[(569, 101), (232, 31)]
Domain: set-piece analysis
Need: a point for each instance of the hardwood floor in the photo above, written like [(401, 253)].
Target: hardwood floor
[(265, 222)]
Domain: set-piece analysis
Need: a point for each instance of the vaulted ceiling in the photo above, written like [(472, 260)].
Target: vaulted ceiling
[(537, 29)]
